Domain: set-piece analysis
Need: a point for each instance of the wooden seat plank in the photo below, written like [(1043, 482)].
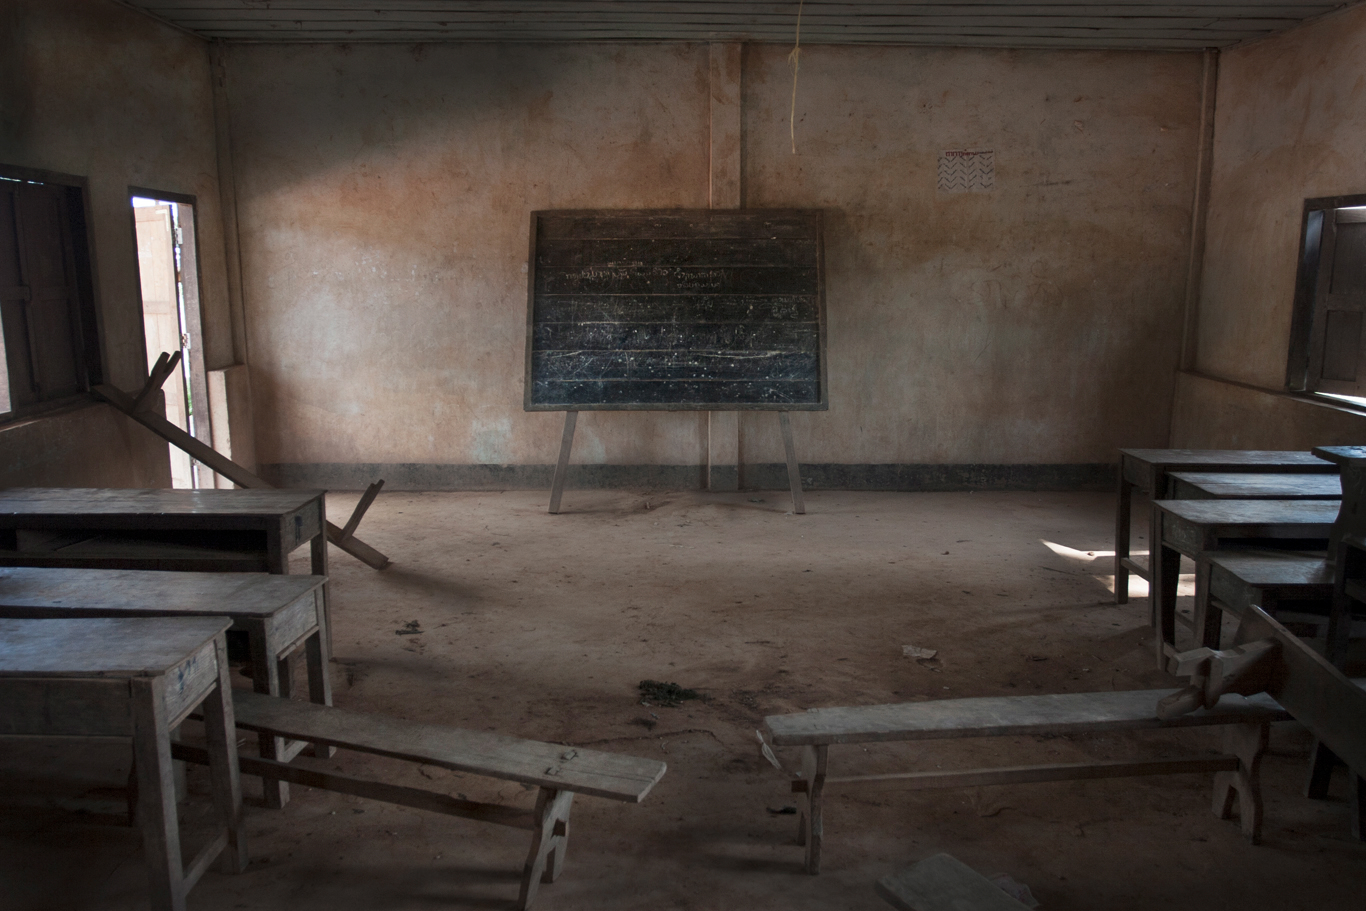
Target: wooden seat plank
[(100, 592), (1227, 485), (609, 775), (999, 716)]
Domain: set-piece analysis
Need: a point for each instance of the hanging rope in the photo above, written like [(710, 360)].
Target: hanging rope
[(794, 59)]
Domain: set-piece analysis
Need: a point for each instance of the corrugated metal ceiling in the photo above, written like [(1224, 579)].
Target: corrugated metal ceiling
[(976, 23)]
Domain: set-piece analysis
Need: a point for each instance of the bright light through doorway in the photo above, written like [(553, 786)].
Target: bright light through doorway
[(168, 276)]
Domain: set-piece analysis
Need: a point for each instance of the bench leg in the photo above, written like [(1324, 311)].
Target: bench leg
[(548, 843), (1248, 742), (810, 827)]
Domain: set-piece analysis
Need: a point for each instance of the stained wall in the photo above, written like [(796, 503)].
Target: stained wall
[(95, 90), (384, 194), (1290, 125)]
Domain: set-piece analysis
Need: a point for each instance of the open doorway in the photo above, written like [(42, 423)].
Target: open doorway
[(168, 272)]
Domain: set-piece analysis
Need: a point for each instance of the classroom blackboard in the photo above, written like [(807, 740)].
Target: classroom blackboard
[(706, 309)]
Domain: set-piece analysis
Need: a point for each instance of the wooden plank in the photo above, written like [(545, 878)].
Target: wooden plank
[(122, 647), (1266, 568), (1033, 774), (399, 795), (1260, 486), (998, 716), (942, 883), (359, 512), (1318, 695), (609, 775), (32, 592), (146, 503), (702, 309), (1256, 518)]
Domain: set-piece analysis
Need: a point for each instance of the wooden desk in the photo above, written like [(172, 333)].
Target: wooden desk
[(279, 614), (191, 530), (1228, 485), (1145, 471), (1193, 527), (134, 678)]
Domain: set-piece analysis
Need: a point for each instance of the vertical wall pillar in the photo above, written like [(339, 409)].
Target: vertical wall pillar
[(724, 192)]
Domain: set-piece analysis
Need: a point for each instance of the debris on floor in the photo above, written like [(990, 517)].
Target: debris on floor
[(669, 695), (411, 628), (782, 811), (911, 651)]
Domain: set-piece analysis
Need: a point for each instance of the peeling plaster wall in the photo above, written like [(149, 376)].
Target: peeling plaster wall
[(92, 89), (1290, 125), (384, 195)]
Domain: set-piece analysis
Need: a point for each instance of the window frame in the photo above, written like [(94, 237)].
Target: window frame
[(1308, 333), (85, 317)]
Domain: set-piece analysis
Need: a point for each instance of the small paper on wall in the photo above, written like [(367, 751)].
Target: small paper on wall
[(967, 171)]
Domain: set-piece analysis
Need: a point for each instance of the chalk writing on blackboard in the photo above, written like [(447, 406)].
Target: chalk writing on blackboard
[(676, 309)]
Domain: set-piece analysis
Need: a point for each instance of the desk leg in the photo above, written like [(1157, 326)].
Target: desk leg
[(1123, 505), (1207, 616), (319, 684), (271, 678), (220, 734), (1165, 571), (156, 794)]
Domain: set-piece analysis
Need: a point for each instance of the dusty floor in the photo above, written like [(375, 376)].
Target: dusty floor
[(542, 626)]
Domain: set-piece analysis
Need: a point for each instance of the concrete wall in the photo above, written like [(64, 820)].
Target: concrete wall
[(92, 89), (1290, 125), (384, 194)]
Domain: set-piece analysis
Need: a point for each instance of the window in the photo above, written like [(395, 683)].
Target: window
[(1326, 351), (47, 316)]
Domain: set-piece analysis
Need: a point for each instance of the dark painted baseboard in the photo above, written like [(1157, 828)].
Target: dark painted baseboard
[(765, 476)]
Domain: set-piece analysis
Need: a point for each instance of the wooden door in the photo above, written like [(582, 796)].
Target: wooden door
[(161, 318)]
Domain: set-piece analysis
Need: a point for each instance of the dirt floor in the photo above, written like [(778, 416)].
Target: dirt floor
[(543, 626)]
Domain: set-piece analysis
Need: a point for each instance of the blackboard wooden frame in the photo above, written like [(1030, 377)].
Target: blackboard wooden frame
[(708, 226)]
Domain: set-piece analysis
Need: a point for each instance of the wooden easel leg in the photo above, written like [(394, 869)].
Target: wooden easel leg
[(562, 466), (548, 843), (810, 828), (794, 476)]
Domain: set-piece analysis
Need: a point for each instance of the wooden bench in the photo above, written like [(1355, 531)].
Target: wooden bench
[(944, 883), (559, 771), (1002, 716)]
